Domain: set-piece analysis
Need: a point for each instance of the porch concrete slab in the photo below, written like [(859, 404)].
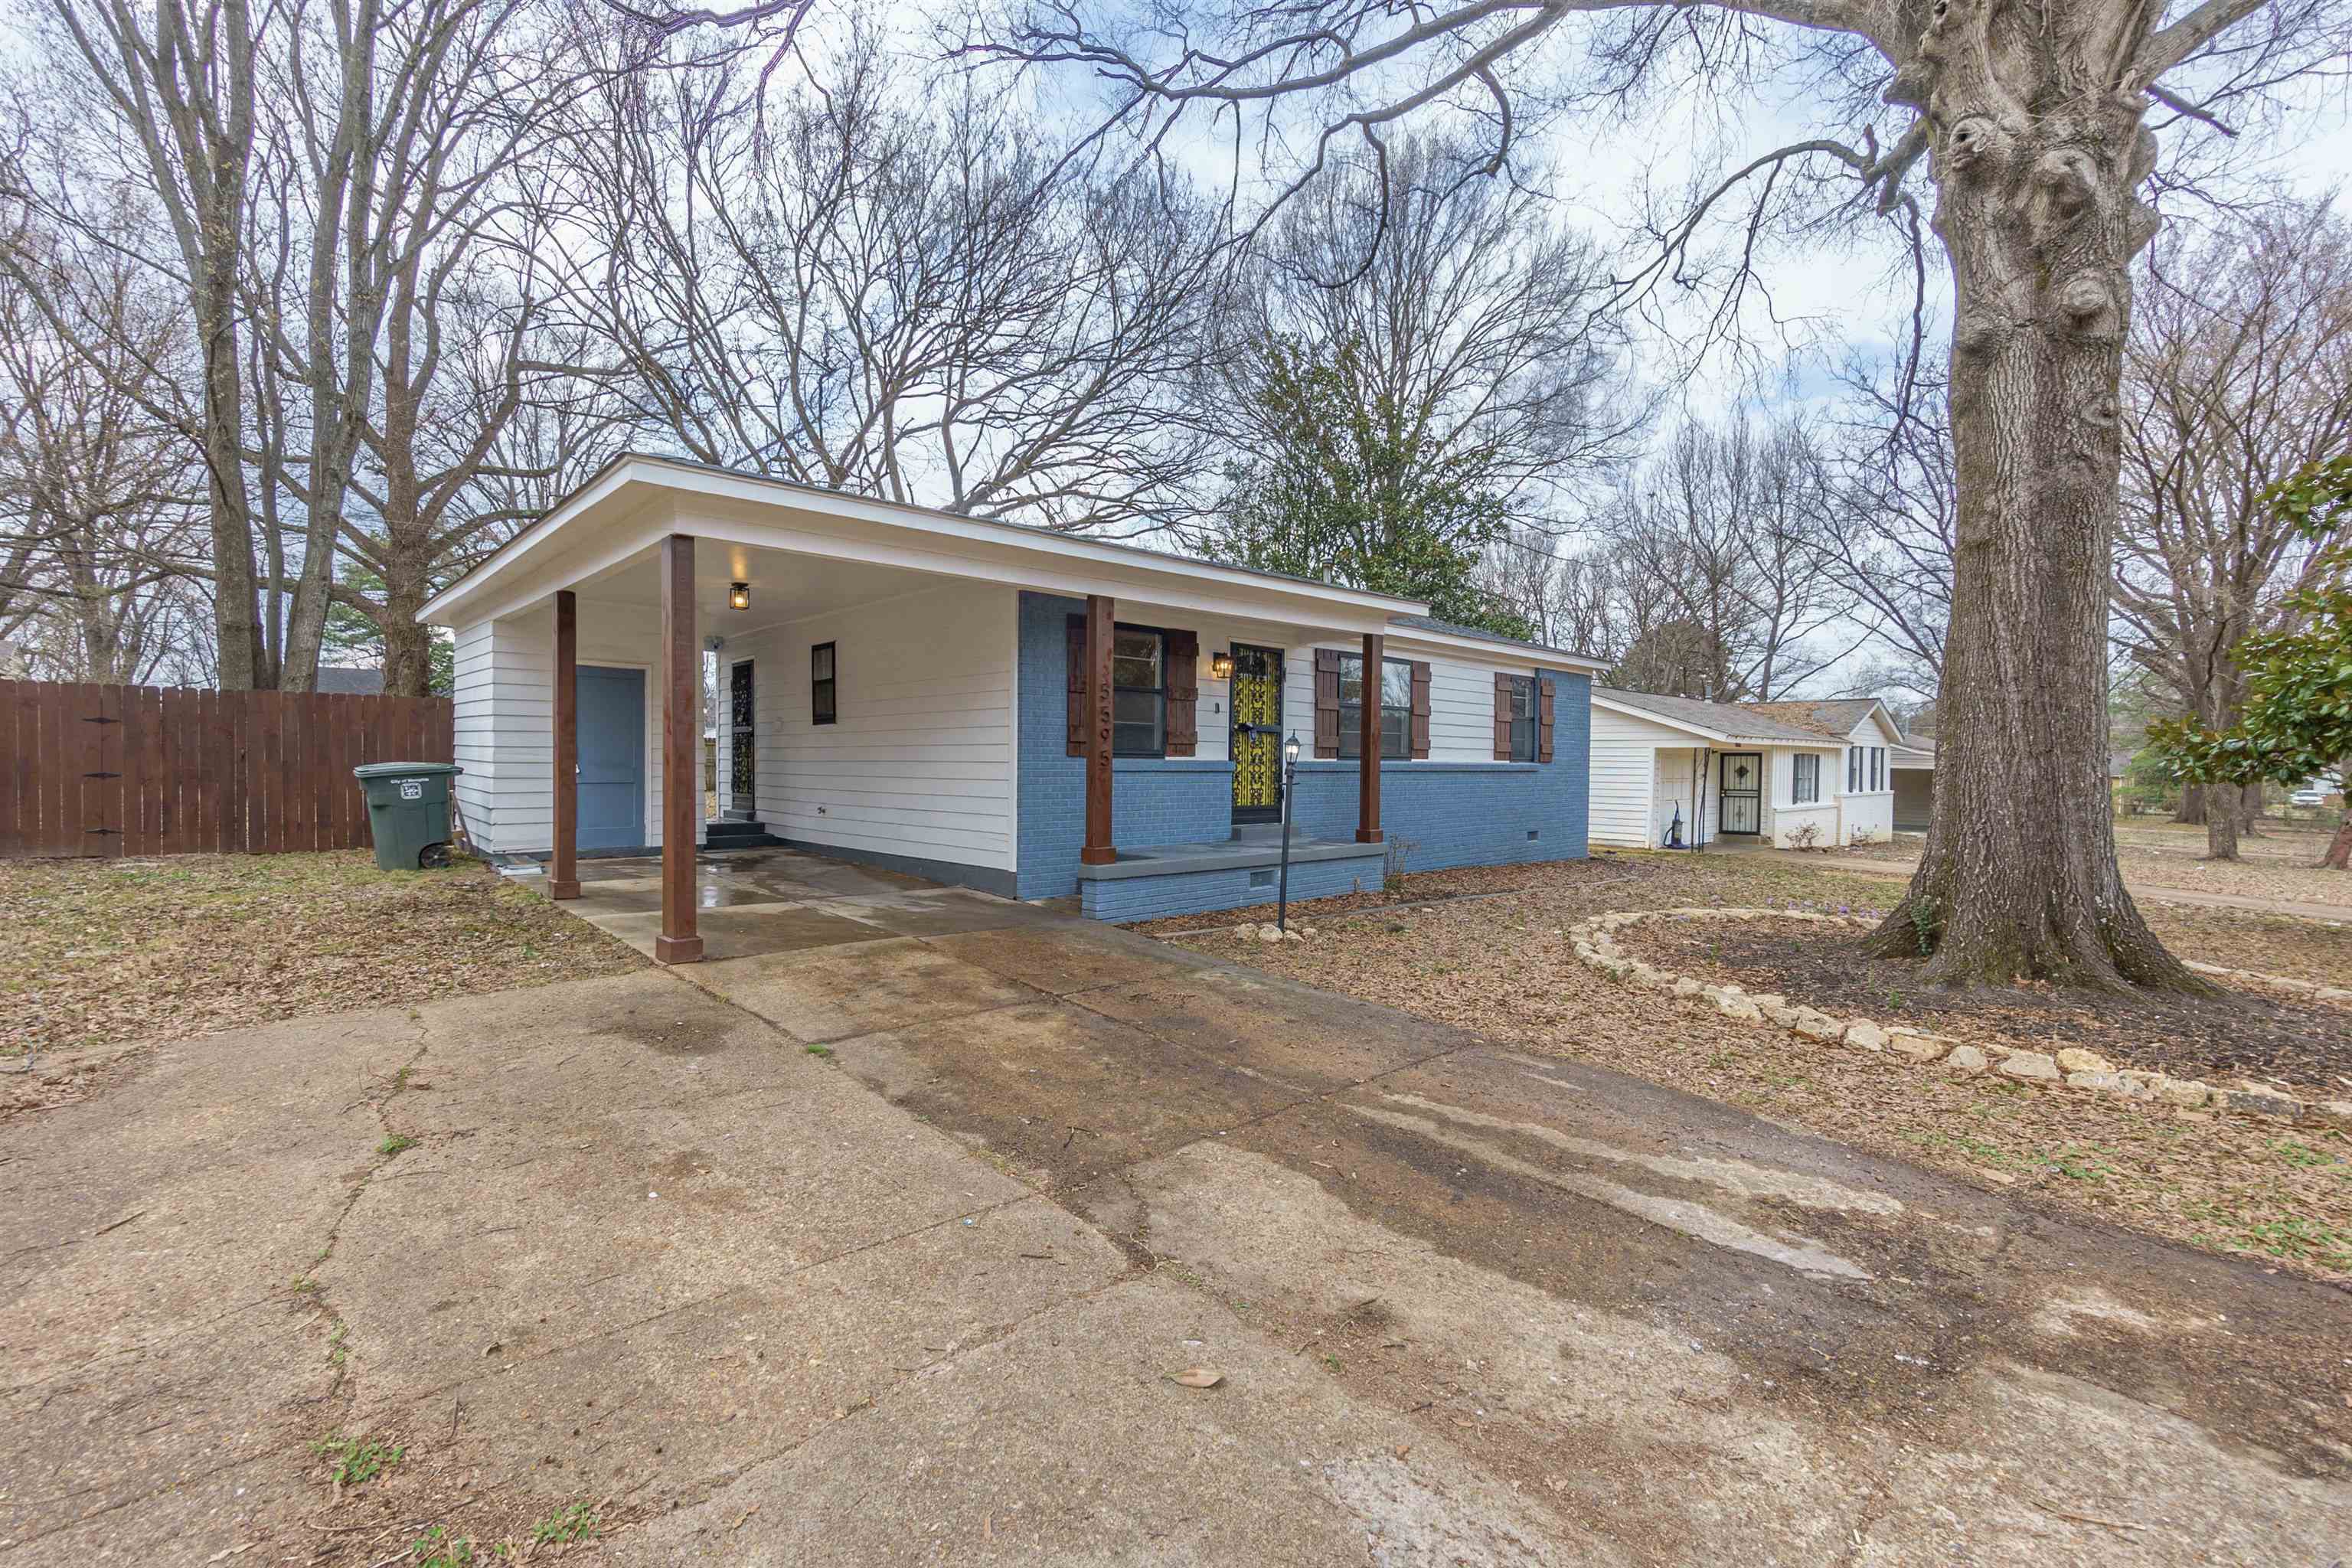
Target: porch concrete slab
[(638, 895), (1060, 956), (746, 931), (1312, 1041), (1065, 1441), (1061, 1094), (808, 876), (657, 1405), (938, 911), (832, 994)]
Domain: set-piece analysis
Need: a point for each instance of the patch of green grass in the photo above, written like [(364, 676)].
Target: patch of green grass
[(819, 1050), (577, 1523), (355, 1461), (394, 1143), (2303, 1156), (2302, 1238), (437, 1548)]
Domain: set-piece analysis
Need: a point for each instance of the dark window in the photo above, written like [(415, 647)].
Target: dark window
[(1805, 788), (822, 709), (1878, 767), (1524, 716), (1396, 707), (1138, 692), (1852, 769)]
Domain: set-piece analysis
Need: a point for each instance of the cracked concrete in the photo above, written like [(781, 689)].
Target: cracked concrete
[(917, 1301)]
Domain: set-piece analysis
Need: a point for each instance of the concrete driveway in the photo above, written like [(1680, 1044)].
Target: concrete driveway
[(917, 1299)]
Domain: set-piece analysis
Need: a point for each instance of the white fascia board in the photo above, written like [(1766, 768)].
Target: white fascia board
[(1721, 737), (1502, 656), (765, 514)]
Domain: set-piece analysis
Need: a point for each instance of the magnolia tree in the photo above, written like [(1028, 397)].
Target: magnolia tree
[(2037, 127), (2298, 711)]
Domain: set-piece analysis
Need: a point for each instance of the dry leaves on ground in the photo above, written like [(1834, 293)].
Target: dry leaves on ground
[(2281, 866), (2229, 1183), (101, 951)]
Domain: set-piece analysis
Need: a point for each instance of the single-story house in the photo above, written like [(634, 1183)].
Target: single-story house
[(1795, 774), (351, 679), (1029, 713)]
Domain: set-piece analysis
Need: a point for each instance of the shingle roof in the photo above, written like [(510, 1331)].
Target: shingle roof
[(351, 680), (1739, 721), (1835, 719), (1455, 628)]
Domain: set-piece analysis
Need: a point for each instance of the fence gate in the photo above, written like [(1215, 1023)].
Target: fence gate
[(97, 770)]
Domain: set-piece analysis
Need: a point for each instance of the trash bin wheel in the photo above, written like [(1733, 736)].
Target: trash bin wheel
[(432, 857)]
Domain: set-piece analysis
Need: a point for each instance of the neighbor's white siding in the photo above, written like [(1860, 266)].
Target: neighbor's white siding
[(920, 761), (506, 718), (1629, 779)]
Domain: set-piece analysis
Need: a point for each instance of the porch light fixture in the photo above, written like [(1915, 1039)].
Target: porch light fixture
[(739, 595), (1221, 665)]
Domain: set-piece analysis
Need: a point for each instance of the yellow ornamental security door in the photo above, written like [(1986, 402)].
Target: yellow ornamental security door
[(1257, 733)]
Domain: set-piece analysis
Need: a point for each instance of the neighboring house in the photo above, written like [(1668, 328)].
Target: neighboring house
[(910, 688), (1913, 762), (351, 680), (1788, 774)]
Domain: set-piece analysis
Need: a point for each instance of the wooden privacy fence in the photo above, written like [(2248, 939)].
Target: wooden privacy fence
[(141, 770)]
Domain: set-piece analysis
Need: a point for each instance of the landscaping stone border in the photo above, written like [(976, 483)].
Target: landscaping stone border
[(1594, 940)]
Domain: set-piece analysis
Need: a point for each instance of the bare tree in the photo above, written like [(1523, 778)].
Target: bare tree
[(852, 285), (2237, 372), (100, 500), (1722, 536), (1889, 452), (179, 84), (2035, 122)]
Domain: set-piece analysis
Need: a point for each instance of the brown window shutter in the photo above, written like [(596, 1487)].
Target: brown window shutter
[(1078, 710), (1502, 718), (1184, 691), (1543, 720), (1327, 702), (1420, 711)]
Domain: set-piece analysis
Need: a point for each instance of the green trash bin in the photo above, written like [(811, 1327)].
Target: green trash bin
[(408, 811)]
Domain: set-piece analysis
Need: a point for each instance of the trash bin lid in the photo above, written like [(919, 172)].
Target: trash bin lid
[(404, 770)]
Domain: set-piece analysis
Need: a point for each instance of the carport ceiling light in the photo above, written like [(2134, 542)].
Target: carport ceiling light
[(739, 595)]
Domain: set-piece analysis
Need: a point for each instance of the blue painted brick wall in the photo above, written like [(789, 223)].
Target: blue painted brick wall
[(1178, 800), (1192, 893), (1452, 814), (1471, 814)]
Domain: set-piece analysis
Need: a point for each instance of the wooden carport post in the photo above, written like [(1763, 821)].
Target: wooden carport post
[(678, 943), (563, 871), (1368, 775), (1097, 850)]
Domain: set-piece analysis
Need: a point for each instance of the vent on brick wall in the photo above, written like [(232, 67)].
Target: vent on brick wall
[(1535, 833), (1261, 878)]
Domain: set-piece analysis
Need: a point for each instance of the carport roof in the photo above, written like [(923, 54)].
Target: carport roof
[(638, 496)]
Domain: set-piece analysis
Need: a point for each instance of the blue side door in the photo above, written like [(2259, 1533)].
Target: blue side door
[(611, 757)]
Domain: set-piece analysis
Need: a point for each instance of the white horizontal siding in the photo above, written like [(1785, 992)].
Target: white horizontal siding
[(919, 760), (1628, 776), (506, 718)]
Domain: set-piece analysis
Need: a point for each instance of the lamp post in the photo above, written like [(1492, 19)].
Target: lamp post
[(1282, 889)]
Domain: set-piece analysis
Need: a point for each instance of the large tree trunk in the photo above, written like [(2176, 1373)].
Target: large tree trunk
[(2036, 159), (2221, 836), (2191, 813)]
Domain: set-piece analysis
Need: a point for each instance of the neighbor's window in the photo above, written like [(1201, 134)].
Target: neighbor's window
[(820, 684), (1853, 770), (1396, 707), (1878, 767), (1806, 788), (1523, 716), (1138, 692)]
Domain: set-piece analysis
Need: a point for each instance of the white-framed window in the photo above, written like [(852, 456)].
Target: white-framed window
[(1878, 767), (1854, 770), (1805, 784)]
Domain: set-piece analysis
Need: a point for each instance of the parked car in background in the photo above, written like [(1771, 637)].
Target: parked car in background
[(2307, 798)]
